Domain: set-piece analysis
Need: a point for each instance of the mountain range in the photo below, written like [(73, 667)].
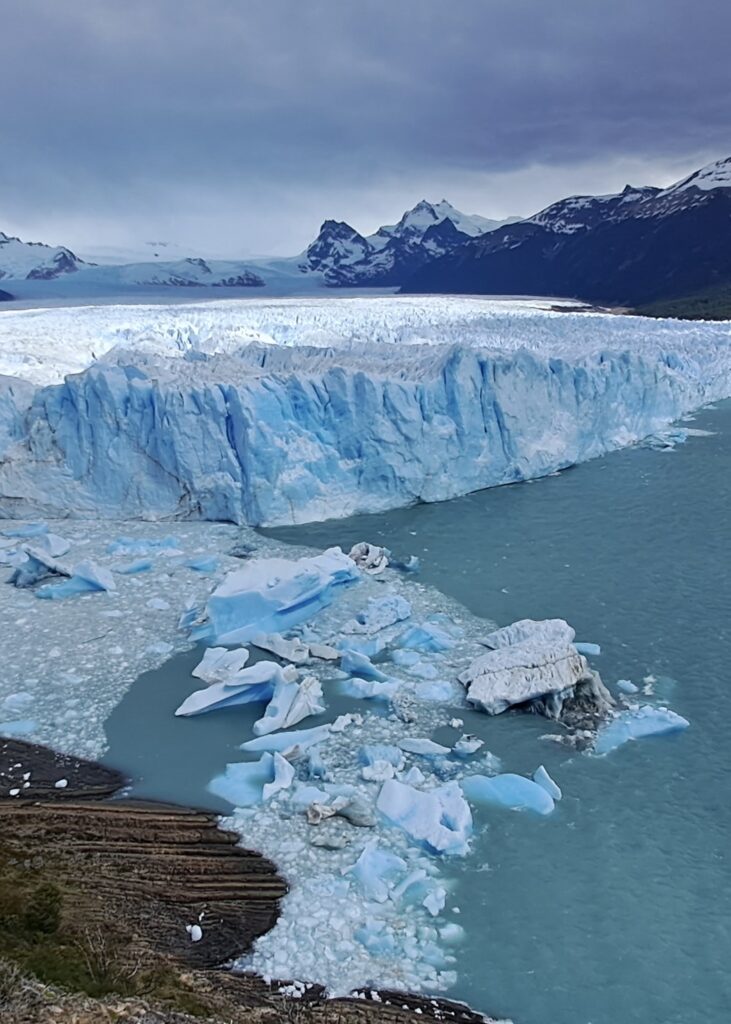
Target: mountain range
[(630, 248)]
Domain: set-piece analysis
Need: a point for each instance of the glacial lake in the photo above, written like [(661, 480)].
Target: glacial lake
[(616, 909)]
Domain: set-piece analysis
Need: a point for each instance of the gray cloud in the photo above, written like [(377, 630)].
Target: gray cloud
[(240, 124)]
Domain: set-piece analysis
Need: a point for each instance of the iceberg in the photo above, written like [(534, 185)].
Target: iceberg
[(86, 578), (256, 683), (635, 724), (288, 650), (290, 744), (423, 746), (512, 791), (535, 664), (360, 665), (270, 595), (248, 783), (428, 637), (440, 819), (290, 703)]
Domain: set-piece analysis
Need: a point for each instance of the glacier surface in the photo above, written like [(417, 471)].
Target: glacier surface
[(264, 412)]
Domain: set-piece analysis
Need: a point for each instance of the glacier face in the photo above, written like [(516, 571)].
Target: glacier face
[(284, 413)]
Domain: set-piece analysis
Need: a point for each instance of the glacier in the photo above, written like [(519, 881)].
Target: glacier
[(266, 413)]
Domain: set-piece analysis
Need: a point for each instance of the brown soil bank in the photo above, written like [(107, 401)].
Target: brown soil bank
[(96, 897)]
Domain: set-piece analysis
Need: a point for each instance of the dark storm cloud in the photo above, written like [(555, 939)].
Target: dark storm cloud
[(112, 108)]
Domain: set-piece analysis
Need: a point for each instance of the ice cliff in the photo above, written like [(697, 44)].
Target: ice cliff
[(281, 433)]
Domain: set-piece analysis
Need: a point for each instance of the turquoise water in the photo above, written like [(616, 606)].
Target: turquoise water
[(616, 909)]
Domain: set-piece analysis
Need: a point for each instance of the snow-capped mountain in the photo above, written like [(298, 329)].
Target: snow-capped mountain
[(633, 247), (395, 251), (34, 261)]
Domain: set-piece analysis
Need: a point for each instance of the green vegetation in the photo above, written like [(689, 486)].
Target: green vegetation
[(44, 934), (710, 304)]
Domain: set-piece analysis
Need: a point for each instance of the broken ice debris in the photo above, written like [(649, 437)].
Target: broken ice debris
[(290, 744), (423, 746), (512, 791), (370, 558), (360, 665), (33, 564), (535, 664), (256, 683), (440, 819), (636, 724), (270, 595), (291, 702), (467, 745), (380, 613), (429, 637)]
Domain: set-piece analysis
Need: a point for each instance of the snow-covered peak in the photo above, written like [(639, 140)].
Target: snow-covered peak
[(714, 175), (417, 221), (337, 245), (578, 212), (33, 260)]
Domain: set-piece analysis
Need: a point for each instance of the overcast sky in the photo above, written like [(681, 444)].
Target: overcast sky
[(234, 127)]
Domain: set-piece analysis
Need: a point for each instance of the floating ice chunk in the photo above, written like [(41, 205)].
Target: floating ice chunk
[(194, 931), (440, 819), (289, 650), (413, 777), (131, 568), (467, 745), (33, 564), (588, 650), (354, 808), (423, 670), (86, 577), (204, 563), (636, 724), (316, 767), (379, 771), (549, 631), (324, 652), (256, 683), (370, 689), (247, 784), (143, 546), (380, 613), (21, 727), (356, 664), (54, 545), (423, 746), (219, 665), (429, 636), (377, 871), (375, 936), (18, 701), (405, 659), (158, 604), (627, 686), (26, 530), (512, 791), (369, 557), (270, 595), (435, 899), (451, 933), (283, 777), (541, 667), (543, 779), (436, 690), (374, 752), (291, 702), (290, 744), (370, 647)]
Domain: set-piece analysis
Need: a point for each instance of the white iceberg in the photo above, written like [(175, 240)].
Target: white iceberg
[(380, 613), (256, 683), (219, 665), (290, 703), (377, 870)]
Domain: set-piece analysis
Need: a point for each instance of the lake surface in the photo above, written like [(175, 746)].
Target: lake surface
[(617, 908)]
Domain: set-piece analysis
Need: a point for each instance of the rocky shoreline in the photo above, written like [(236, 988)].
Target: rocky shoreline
[(99, 897)]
